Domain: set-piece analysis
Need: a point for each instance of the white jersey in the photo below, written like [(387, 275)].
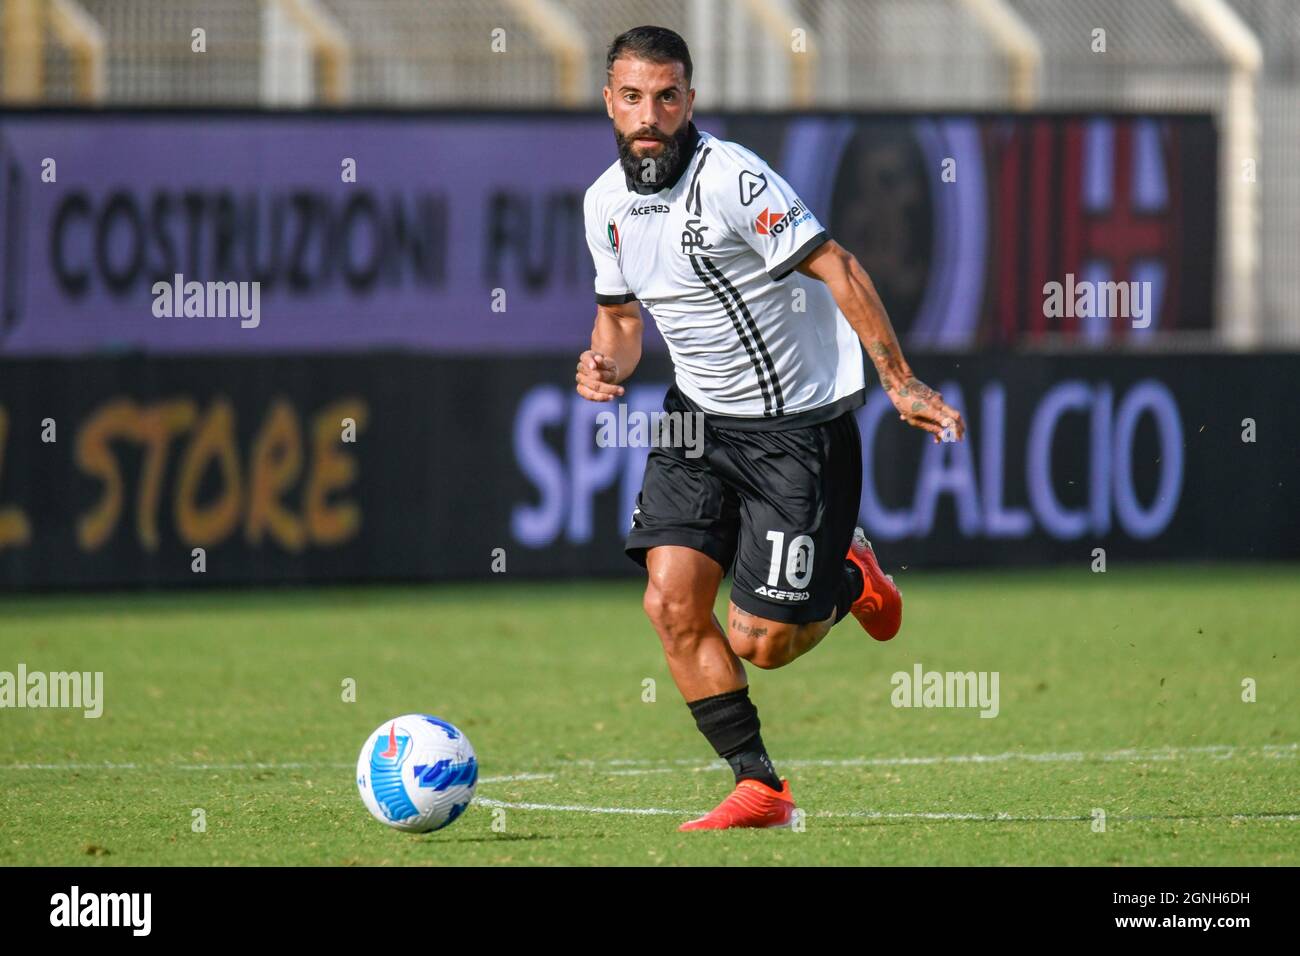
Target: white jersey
[(711, 255)]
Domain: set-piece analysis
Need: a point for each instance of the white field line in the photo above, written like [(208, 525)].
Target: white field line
[(882, 815), (1127, 755), (632, 767), (571, 808), (507, 778), (108, 765)]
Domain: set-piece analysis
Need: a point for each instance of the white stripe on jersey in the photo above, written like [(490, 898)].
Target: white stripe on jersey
[(712, 258)]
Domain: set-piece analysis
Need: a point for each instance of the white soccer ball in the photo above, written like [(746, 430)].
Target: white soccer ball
[(417, 773)]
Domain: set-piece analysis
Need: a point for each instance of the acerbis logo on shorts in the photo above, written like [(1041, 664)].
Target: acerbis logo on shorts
[(776, 595)]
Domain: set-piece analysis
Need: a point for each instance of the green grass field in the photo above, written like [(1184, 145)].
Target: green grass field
[(1119, 691)]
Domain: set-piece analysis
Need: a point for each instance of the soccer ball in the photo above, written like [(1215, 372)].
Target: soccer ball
[(417, 773)]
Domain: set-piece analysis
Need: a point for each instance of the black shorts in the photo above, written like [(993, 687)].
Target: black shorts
[(775, 508)]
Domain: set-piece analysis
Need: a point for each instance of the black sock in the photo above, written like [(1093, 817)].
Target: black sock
[(850, 590), (730, 724)]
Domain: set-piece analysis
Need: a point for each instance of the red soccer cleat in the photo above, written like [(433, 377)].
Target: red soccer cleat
[(879, 609), (751, 804)]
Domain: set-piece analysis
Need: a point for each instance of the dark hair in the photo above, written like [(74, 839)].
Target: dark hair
[(656, 44)]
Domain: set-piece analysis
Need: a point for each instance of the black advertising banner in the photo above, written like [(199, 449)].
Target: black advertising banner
[(128, 471)]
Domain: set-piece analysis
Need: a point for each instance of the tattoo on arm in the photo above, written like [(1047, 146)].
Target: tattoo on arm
[(883, 355)]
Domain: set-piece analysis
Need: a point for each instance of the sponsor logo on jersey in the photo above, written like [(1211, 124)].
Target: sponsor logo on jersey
[(771, 223), (652, 208), (611, 230), (777, 595), (693, 237), (751, 185)]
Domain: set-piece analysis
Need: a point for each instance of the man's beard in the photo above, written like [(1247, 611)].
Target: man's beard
[(651, 170)]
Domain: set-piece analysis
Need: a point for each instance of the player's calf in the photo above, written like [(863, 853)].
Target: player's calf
[(680, 590)]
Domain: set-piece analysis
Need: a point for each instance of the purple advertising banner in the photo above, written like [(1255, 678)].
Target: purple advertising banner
[(446, 217), (462, 234)]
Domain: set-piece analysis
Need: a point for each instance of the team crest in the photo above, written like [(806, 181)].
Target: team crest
[(693, 237)]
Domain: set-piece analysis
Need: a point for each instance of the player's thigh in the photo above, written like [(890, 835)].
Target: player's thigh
[(799, 500), (760, 640), (684, 502)]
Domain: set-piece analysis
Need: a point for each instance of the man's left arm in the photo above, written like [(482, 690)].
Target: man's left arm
[(918, 404)]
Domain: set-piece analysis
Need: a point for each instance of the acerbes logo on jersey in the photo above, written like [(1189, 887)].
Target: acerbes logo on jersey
[(647, 210), (775, 223), (778, 595)]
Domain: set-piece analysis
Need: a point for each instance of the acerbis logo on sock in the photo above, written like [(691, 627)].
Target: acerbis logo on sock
[(922, 688)]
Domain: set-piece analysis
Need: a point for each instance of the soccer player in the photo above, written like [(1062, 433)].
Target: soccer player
[(766, 318)]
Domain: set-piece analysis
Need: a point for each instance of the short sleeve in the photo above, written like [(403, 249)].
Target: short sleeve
[(765, 212), (602, 240)]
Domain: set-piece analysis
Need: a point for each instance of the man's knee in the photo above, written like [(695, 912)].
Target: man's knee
[(677, 618)]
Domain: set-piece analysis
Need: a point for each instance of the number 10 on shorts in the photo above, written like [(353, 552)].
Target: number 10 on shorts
[(798, 561)]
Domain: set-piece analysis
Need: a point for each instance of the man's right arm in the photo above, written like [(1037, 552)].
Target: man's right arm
[(614, 353)]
